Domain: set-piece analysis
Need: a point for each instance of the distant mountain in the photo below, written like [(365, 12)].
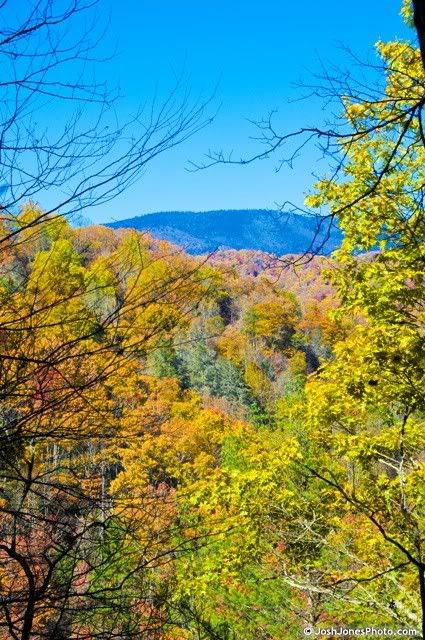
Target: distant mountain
[(259, 229)]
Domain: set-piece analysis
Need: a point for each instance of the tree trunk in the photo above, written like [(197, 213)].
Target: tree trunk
[(419, 22)]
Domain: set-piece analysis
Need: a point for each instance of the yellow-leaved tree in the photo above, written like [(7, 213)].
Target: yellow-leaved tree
[(366, 408)]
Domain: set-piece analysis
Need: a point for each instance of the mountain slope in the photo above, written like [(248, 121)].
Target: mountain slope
[(205, 232)]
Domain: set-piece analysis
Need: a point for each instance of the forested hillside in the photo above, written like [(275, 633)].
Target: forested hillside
[(164, 462), (146, 394)]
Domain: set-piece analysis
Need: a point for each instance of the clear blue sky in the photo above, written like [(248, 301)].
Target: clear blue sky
[(255, 51)]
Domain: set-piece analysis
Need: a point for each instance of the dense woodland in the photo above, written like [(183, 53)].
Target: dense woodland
[(225, 447)]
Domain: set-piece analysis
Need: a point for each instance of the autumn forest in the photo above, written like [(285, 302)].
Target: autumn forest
[(219, 447)]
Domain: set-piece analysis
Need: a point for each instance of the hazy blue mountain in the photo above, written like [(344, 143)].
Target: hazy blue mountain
[(204, 232)]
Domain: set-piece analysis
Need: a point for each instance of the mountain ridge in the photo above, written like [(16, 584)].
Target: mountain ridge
[(200, 232)]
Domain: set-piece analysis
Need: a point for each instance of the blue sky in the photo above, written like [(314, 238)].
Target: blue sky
[(254, 52)]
